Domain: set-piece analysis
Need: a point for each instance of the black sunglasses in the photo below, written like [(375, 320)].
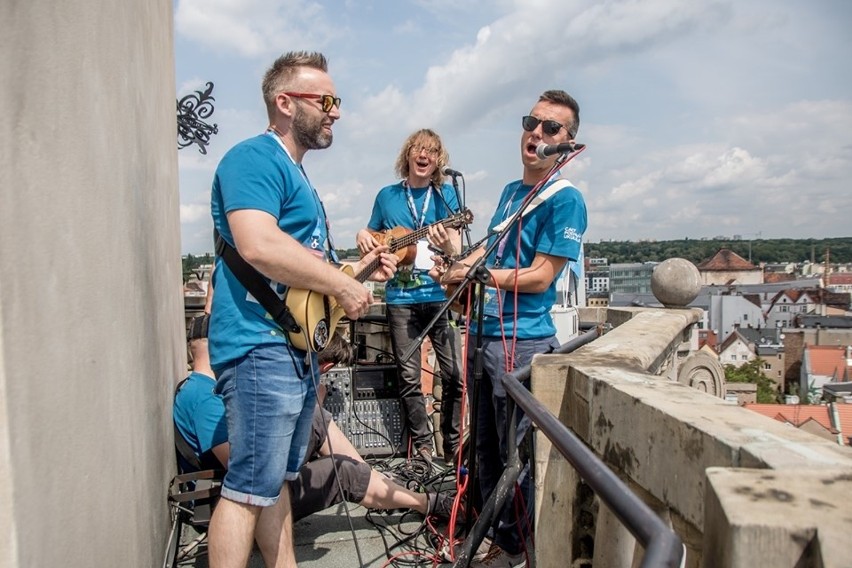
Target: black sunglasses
[(549, 127), (326, 101)]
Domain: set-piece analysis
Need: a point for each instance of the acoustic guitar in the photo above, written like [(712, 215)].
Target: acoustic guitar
[(318, 314)]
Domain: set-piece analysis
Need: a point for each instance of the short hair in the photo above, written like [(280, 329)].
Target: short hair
[(560, 97), (337, 351), (443, 158), (198, 326), (284, 69)]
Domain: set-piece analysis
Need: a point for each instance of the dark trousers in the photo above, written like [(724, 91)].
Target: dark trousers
[(317, 488), (406, 322), (509, 528)]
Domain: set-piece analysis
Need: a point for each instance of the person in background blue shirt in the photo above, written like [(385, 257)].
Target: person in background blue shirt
[(199, 416), (524, 268)]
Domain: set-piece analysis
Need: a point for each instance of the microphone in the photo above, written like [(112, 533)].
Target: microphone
[(544, 150), (451, 172)]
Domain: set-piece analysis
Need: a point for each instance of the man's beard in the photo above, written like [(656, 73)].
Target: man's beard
[(308, 131)]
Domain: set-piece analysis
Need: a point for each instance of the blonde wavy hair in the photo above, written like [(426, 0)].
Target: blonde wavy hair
[(422, 137)]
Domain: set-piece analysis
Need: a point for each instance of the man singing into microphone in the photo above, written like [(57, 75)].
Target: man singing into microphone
[(413, 298), (516, 321)]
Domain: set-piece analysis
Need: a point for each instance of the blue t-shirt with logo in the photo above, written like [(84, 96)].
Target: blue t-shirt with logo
[(555, 228), (257, 174), (392, 209), (199, 414)]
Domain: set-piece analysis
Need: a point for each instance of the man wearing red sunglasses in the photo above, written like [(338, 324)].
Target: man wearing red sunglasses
[(265, 207), (524, 267)]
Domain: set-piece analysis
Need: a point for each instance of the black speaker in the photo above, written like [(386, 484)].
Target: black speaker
[(364, 402)]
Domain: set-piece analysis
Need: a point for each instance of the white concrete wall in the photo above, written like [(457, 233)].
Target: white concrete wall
[(90, 301)]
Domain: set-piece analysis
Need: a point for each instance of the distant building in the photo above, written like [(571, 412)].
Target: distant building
[(736, 350), (728, 312), (823, 364), (707, 337), (741, 393), (774, 277), (597, 281), (727, 267), (839, 283), (631, 278), (787, 304), (768, 346)]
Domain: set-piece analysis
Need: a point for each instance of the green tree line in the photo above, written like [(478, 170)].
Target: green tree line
[(697, 251), (694, 250), (191, 262)]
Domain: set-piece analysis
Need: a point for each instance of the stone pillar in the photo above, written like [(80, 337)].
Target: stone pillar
[(614, 544), (777, 518), (556, 481)]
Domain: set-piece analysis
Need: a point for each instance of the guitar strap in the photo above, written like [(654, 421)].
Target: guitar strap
[(257, 286), (543, 196)]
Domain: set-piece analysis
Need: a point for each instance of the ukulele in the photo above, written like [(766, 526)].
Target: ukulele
[(405, 240)]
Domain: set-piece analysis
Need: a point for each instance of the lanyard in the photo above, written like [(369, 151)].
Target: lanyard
[(411, 208), (320, 207)]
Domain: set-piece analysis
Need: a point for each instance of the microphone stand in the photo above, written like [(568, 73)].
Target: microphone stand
[(460, 200), (479, 273)]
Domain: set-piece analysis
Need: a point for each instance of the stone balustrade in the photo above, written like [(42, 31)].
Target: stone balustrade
[(739, 488)]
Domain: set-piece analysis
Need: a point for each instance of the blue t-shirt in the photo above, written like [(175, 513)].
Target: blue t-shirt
[(199, 414), (257, 174), (392, 209), (555, 228)]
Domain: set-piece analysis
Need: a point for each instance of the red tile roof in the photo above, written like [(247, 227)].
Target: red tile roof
[(799, 414), (839, 279), (829, 360), (775, 277), (727, 260)]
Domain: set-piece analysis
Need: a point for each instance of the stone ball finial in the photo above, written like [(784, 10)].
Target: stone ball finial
[(675, 282)]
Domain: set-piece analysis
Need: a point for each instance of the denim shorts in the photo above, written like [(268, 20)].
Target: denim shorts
[(269, 403)]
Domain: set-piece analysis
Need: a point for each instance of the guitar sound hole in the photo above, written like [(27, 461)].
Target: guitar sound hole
[(321, 334)]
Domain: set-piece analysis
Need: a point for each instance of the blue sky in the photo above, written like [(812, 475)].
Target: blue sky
[(718, 117)]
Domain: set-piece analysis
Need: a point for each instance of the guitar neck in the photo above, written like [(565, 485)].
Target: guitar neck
[(414, 236), (368, 270)]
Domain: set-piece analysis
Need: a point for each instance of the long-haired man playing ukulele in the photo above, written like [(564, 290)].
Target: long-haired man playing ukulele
[(413, 298)]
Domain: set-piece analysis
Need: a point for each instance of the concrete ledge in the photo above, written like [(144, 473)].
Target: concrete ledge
[(660, 434), (787, 518)]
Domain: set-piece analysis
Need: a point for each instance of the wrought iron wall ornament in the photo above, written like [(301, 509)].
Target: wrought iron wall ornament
[(191, 129)]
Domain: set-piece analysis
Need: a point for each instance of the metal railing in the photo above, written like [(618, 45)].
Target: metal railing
[(663, 547)]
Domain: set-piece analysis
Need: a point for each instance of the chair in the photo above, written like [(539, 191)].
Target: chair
[(192, 497)]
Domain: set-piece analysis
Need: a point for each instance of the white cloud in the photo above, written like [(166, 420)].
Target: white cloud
[(253, 28), (700, 118), (193, 213)]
